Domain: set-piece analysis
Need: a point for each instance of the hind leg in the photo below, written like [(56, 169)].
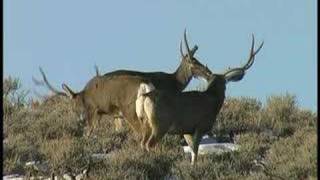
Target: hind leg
[(156, 135), (146, 134), (118, 120)]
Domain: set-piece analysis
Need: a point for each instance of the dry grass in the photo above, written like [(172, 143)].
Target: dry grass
[(277, 140)]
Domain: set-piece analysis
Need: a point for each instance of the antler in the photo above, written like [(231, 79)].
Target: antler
[(97, 70), (190, 52), (45, 82), (181, 51), (236, 72), (186, 42)]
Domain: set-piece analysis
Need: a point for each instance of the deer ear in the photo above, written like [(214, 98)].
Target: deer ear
[(68, 91)]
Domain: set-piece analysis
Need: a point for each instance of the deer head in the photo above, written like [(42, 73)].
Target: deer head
[(76, 97), (190, 64)]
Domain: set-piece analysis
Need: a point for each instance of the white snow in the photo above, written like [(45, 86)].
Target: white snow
[(210, 145)]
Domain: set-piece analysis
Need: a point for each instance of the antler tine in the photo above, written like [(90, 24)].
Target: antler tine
[(256, 52), (50, 87), (181, 51), (252, 54), (250, 59), (186, 42), (194, 49), (97, 70)]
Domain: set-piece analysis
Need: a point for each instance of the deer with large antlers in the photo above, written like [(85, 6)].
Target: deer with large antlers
[(115, 92), (191, 114)]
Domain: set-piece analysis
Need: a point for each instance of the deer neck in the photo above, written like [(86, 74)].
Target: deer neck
[(183, 76), (217, 90)]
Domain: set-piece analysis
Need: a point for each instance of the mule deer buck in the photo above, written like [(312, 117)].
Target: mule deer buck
[(118, 119), (115, 92), (191, 114)]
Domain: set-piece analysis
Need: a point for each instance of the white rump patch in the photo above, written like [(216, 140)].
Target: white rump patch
[(143, 89)]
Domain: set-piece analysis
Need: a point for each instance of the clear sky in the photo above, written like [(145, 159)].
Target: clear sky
[(66, 38)]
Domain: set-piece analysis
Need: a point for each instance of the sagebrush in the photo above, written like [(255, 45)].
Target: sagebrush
[(277, 141)]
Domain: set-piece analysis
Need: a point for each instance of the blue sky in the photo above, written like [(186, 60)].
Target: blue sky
[(67, 38)]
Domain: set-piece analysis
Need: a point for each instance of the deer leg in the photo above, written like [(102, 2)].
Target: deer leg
[(89, 126), (146, 134), (196, 138), (131, 117), (96, 118), (118, 123), (193, 142), (156, 134), (188, 138), (93, 118), (152, 141)]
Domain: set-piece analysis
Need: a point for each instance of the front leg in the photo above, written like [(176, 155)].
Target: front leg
[(118, 121), (193, 142), (188, 138), (93, 119), (89, 123)]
